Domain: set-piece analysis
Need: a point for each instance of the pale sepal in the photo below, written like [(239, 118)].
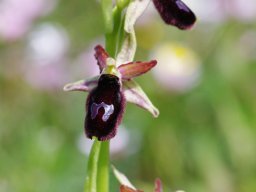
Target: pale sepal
[(123, 180), (82, 85), (134, 94), (134, 11), (128, 49)]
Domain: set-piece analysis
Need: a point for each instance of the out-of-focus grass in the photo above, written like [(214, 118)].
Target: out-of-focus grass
[(204, 139)]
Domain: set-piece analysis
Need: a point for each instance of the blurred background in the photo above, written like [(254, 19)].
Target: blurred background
[(204, 86)]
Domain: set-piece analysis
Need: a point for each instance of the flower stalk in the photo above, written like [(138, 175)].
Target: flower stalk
[(98, 164), (103, 167), (91, 179)]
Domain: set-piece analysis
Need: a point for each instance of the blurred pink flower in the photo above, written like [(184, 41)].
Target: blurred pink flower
[(217, 11), (208, 11), (85, 64), (243, 10), (16, 16), (47, 77)]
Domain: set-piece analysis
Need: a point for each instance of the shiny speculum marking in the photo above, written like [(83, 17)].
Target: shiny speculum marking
[(108, 110)]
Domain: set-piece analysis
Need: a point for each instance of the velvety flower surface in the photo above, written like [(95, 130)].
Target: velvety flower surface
[(104, 106), (175, 12), (109, 92)]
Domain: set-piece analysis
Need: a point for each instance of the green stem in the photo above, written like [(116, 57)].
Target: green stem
[(122, 3), (103, 168), (97, 179), (91, 179), (114, 37), (121, 34), (106, 7)]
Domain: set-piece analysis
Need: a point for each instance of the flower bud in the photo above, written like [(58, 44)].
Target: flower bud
[(175, 12), (105, 107)]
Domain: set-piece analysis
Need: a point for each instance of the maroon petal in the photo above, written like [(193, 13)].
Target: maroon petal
[(175, 12), (135, 69), (158, 185), (101, 56), (105, 107)]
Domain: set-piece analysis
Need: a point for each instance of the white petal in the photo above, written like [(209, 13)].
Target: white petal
[(82, 85), (128, 49), (134, 11), (122, 178)]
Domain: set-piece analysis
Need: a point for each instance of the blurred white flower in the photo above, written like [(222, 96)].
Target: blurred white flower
[(178, 67), (46, 57), (47, 43), (16, 16), (148, 16), (118, 144), (208, 11)]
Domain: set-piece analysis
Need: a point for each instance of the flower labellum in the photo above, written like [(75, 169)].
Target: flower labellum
[(175, 12), (105, 107)]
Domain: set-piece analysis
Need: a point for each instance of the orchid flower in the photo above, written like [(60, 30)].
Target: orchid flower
[(108, 93)]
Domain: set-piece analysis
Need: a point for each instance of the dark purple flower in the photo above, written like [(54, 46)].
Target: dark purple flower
[(105, 107), (109, 92), (175, 12)]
